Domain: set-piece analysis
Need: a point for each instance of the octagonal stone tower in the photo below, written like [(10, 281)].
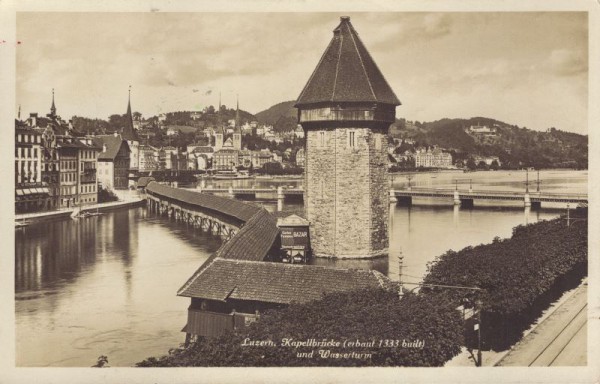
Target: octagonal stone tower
[(346, 109)]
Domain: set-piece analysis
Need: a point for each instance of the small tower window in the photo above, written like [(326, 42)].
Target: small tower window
[(351, 139), (321, 139)]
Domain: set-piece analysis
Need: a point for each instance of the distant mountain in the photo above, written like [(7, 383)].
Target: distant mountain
[(515, 146), (283, 116)]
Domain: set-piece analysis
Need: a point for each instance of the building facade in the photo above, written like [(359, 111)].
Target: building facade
[(346, 109), (433, 159), (88, 182), (225, 159), (31, 193), (113, 161)]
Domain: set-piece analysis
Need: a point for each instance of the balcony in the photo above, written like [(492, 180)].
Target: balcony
[(347, 114)]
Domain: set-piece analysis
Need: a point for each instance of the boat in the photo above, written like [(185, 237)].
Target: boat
[(232, 176), (21, 223), (78, 214)]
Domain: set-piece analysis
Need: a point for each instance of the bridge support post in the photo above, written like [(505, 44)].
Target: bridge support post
[(527, 201), (456, 198), (393, 198), (280, 198), (230, 192)]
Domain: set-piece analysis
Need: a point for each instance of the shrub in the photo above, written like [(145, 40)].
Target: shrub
[(520, 276), (367, 316)]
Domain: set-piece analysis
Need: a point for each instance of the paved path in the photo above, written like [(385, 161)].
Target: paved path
[(559, 340), (126, 201)]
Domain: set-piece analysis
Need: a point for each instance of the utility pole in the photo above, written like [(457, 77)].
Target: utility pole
[(400, 286), (479, 358), (538, 180), (527, 180)]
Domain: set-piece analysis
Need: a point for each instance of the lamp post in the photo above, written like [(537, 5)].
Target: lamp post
[(526, 180), (478, 304), (538, 181)]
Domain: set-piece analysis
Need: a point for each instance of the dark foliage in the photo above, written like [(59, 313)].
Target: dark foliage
[(105, 196), (366, 316), (519, 275)]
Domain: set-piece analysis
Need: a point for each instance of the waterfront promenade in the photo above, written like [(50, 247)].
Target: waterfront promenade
[(558, 340), (125, 201)]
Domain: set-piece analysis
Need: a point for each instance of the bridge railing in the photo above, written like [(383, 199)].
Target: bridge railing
[(493, 192)]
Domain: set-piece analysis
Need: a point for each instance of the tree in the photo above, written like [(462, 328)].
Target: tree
[(494, 165), (471, 164)]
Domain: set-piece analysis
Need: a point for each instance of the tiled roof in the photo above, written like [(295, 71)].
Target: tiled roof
[(113, 145), (280, 283), (346, 73), (253, 240), (230, 207), (144, 181)]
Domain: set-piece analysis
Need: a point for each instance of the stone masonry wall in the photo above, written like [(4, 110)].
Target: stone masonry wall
[(380, 188), (319, 189), (353, 210), (346, 193)]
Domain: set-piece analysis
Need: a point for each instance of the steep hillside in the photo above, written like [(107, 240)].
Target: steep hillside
[(513, 145), (282, 116)]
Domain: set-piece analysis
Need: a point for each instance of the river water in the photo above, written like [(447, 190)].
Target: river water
[(106, 285)]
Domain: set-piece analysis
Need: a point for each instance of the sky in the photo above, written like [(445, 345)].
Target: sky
[(528, 69)]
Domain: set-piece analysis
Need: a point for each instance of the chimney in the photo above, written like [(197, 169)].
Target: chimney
[(33, 117)]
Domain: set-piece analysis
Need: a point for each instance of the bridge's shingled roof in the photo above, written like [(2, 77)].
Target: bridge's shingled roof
[(276, 282), (346, 73), (144, 181), (230, 207), (254, 240)]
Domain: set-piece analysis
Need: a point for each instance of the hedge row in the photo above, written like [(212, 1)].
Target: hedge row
[(434, 329), (520, 276)]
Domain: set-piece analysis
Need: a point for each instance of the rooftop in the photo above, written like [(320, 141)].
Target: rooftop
[(346, 73), (279, 283), (113, 145)]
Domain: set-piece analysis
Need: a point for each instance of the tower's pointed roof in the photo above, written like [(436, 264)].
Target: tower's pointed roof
[(128, 132), (346, 73), (53, 106)]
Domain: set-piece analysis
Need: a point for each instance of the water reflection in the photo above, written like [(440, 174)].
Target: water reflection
[(103, 285)]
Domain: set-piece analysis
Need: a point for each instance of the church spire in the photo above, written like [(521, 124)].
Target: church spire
[(128, 132), (129, 116), (53, 107)]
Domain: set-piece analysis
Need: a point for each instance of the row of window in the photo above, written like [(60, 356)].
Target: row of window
[(21, 138), (87, 188), (68, 165), (88, 154), (351, 139), (68, 177), (26, 152), (68, 191)]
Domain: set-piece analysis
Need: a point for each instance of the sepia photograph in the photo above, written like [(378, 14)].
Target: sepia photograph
[(301, 188)]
